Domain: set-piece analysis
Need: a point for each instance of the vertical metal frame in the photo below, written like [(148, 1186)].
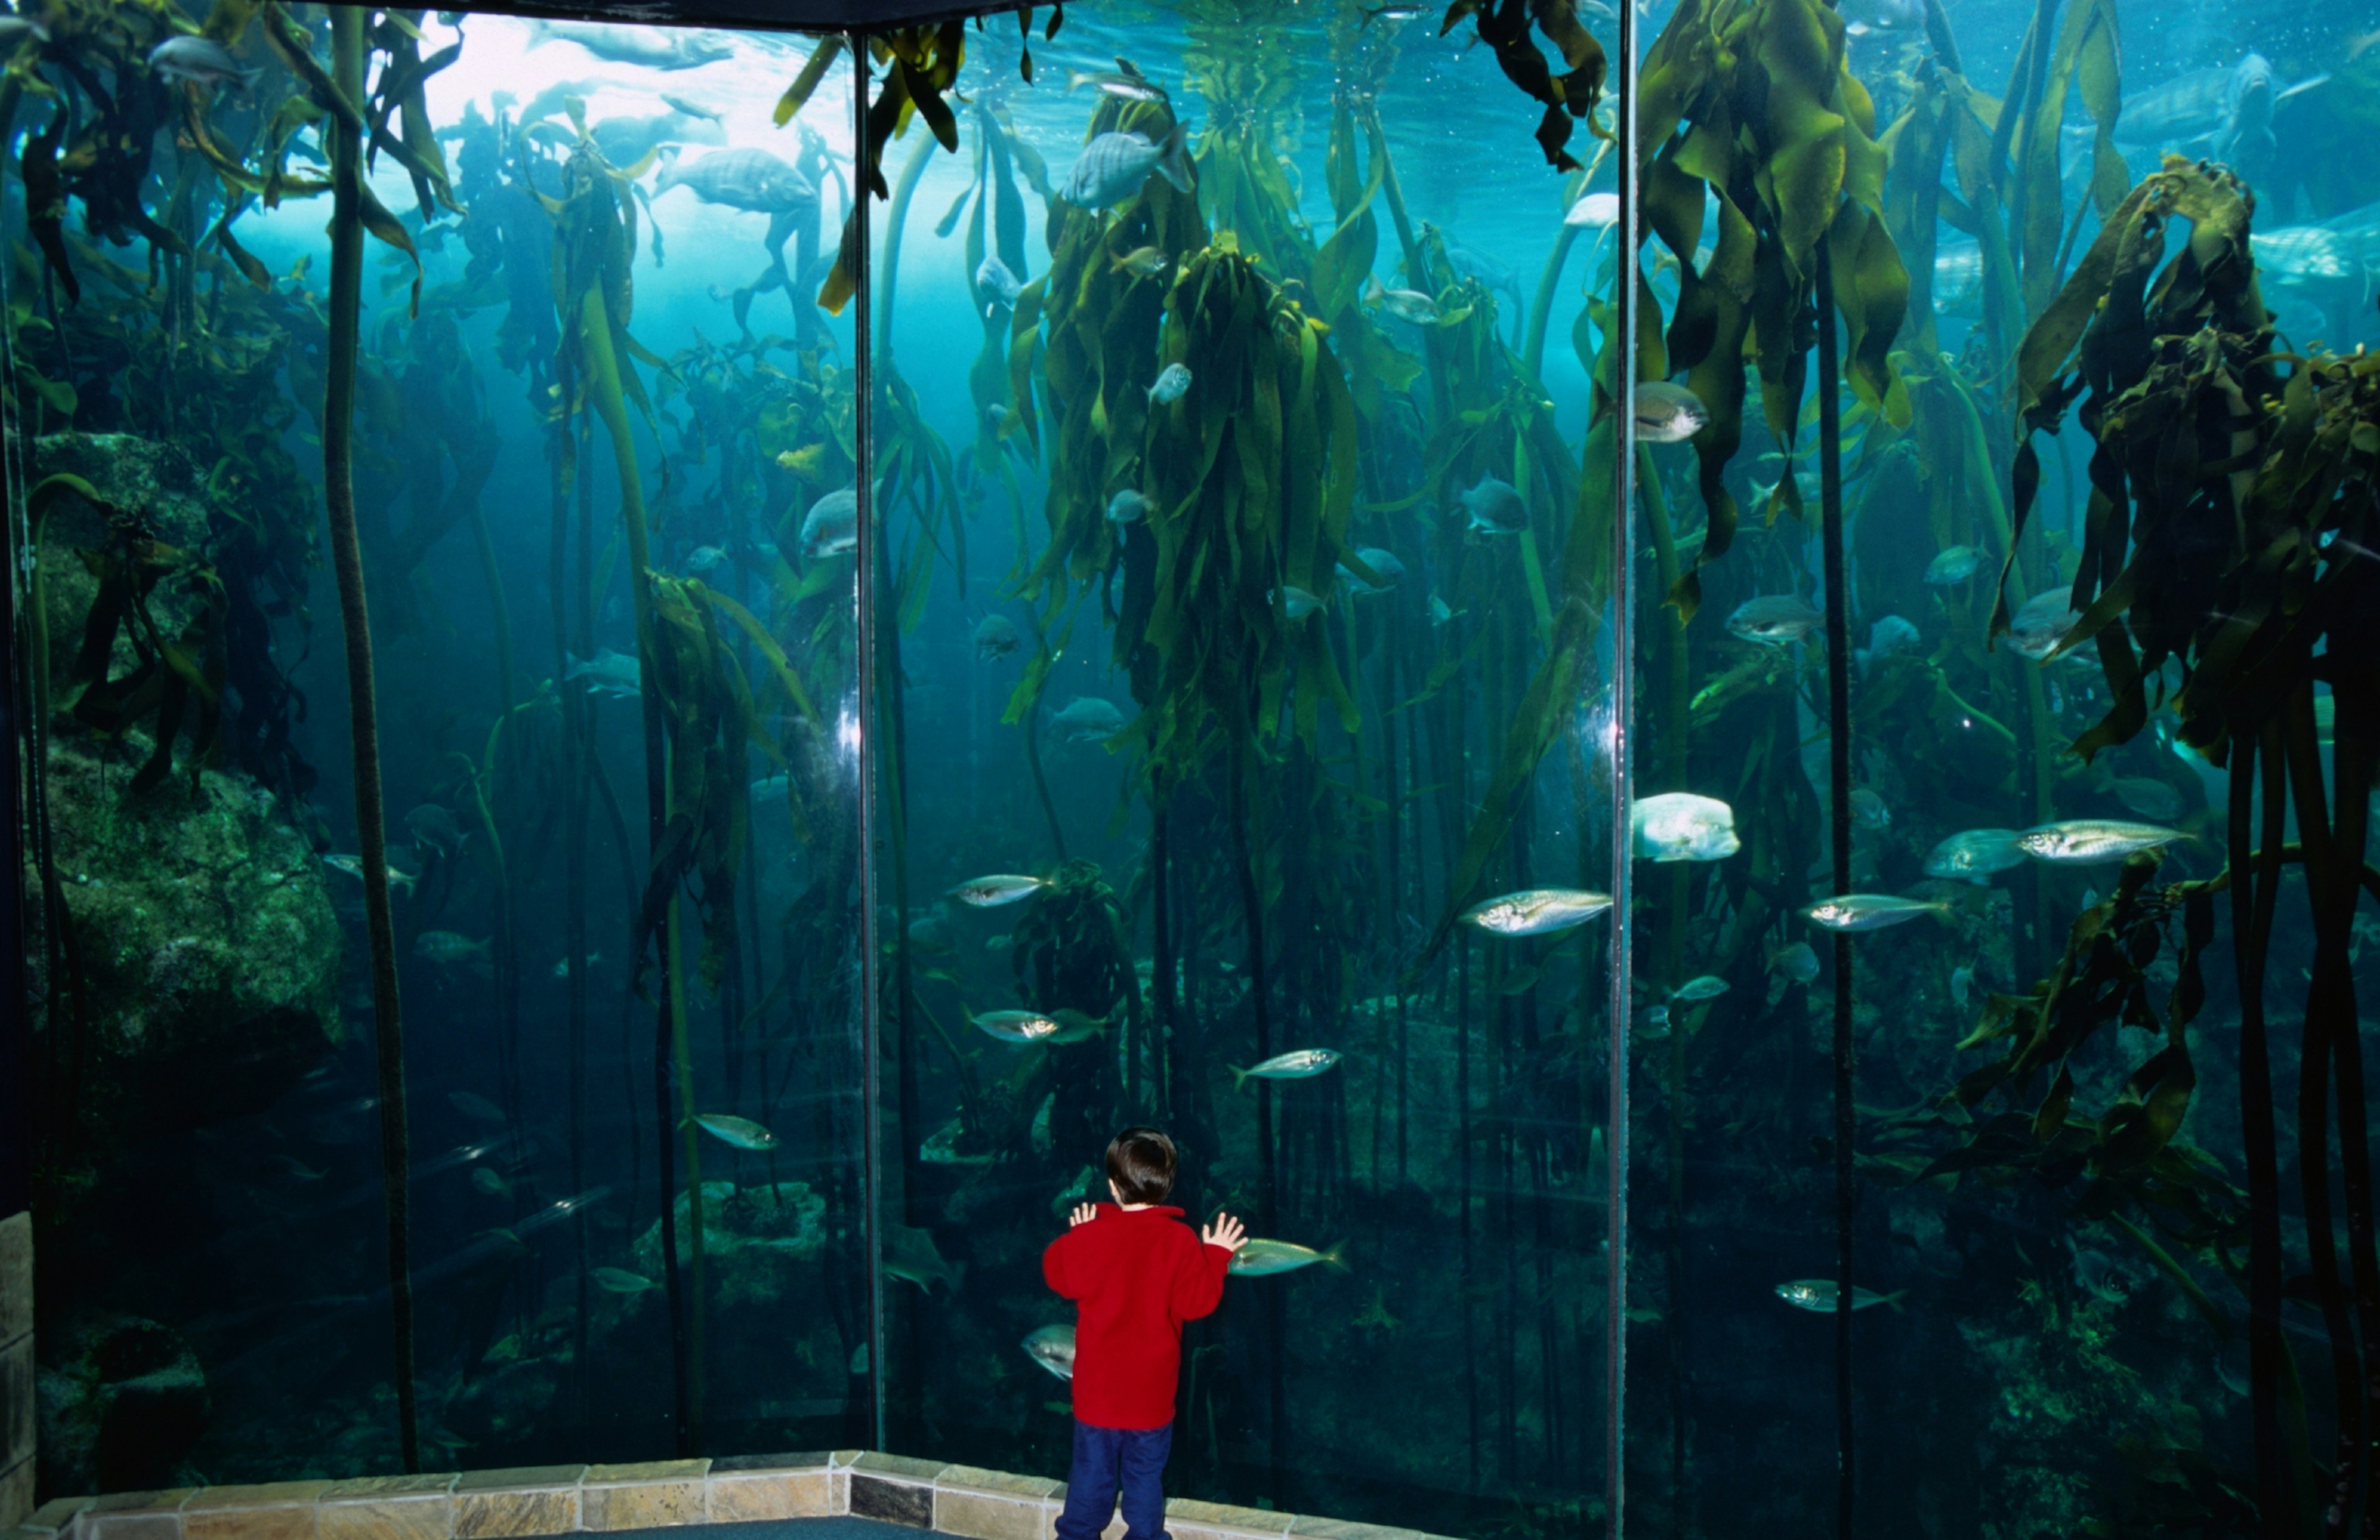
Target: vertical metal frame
[(1623, 708), (869, 1018)]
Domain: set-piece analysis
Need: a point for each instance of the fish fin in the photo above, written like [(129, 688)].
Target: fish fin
[(1240, 1077), (2323, 80), (1336, 1256), (1894, 1300), (1174, 158)]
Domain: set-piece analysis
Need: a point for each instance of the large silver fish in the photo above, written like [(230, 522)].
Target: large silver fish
[(991, 892), (1052, 1347), (1666, 413), (1870, 911), (832, 527), (1087, 719), (1298, 1064), (1680, 826), (200, 61), (1495, 507), (2081, 842), (652, 47), (2038, 628), (627, 140), (1821, 1294), (1536, 911), (749, 179), (1973, 855), (1262, 1258), (1774, 620), (612, 673), (1114, 166)]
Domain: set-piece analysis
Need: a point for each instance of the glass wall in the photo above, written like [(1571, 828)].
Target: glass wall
[(594, 414), (1251, 634), (2060, 1113)]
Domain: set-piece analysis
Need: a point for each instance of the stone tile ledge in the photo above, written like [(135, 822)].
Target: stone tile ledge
[(957, 1500)]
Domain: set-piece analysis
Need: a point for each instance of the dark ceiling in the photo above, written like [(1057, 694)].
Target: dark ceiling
[(800, 16)]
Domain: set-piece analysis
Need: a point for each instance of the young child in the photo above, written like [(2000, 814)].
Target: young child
[(1135, 1275)]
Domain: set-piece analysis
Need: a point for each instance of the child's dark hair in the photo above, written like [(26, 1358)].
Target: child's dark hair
[(1140, 1163)]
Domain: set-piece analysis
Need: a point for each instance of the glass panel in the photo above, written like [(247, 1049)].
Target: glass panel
[(2053, 1223), (1228, 524), (613, 367)]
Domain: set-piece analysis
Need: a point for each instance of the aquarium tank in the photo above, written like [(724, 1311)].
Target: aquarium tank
[(1692, 689)]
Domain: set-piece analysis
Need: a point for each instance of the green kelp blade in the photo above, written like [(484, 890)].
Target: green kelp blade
[(813, 70)]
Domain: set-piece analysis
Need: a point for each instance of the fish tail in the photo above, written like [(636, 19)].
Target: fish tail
[(1894, 1300), (1370, 15), (1336, 1256), (1174, 158), (1240, 1077)]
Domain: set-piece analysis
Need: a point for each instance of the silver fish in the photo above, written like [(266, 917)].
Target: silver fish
[(701, 558), (1885, 637), (1411, 306), (488, 1182), (446, 949), (1597, 210), (1666, 413), (2038, 628), (1870, 911), (1172, 383), (1798, 961), (1037, 1026), (995, 288), (352, 865), (1294, 601), (911, 1254), (653, 47), (1710, 986), (729, 1128), (15, 29), (1262, 1258), (1384, 565), (1052, 1347), (1868, 810), (1496, 507), (1114, 166), (200, 61), (1087, 719), (2148, 796), (994, 638), (832, 527), (607, 673), (1973, 855), (1680, 826), (1820, 1295), (2081, 842), (1774, 620), (619, 1281), (1440, 611), (752, 180), (432, 824), (1953, 565), (691, 109), (991, 892), (1536, 911), (472, 1105), (627, 140), (1299, 1064), (1962, 982), (1125, 88), (1127, 506)]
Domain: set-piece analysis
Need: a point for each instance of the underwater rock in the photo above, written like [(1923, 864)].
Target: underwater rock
[(154, 480), (761, 1244), (208, 951), (121, 1402)]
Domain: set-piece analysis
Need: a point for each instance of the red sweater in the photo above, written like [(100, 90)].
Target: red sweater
[(1135, 1278)]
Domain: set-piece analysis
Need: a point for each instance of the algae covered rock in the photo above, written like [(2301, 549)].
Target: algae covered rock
[(122, 1399), (202, 946), (155, 480), (761, 1244)]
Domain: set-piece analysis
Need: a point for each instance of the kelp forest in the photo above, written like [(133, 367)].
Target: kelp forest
[(1318, 576)]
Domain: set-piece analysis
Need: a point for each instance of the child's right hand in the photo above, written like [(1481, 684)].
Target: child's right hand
[(1226, 1233), (1084, 1214)]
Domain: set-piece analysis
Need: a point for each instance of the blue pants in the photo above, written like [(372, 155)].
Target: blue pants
[(1105, 1458)]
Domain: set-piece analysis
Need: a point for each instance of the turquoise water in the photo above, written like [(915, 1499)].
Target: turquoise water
[(1260, 685)]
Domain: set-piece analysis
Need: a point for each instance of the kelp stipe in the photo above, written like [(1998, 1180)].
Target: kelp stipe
[(338, 497)]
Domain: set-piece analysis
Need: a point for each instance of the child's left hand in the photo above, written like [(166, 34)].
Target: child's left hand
[(1084, 1214)]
